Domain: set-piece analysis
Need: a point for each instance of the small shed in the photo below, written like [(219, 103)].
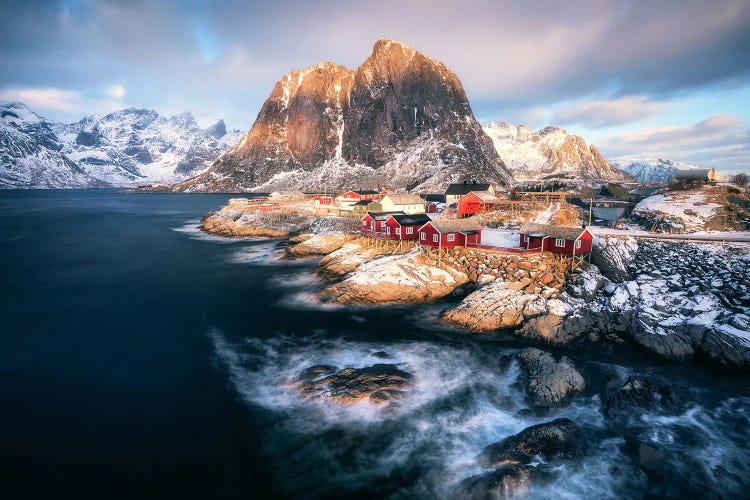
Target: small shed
[(404, 202), (556, 239), (405, 227), (475, 202), (450, 233)]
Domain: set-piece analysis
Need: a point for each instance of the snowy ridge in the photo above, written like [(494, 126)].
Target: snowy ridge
[(653, 170), (127, 147), (532, 155)]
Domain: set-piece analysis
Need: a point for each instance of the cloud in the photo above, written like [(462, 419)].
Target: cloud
[(599, 114), (115, 91), (47, 99), (719, 141)]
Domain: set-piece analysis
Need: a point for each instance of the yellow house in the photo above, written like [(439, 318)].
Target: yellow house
[(404, 202)]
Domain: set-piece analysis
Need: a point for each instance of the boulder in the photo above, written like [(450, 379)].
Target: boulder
[(551, 383), (635, 395), (557, 441), (504, 482), (379, 384), (650, 460)]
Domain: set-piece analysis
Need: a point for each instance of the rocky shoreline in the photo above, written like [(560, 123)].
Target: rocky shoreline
[(674, 301)]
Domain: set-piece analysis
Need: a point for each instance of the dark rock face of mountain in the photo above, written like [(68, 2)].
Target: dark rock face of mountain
[(400, 119)]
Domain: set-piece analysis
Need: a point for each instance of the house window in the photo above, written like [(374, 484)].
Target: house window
[(372, 224), (578, 243), (451, 237), (435, 238), (422, 236), (525, 238), (409, 230), (388, 230), (382, 224), (560, 242)]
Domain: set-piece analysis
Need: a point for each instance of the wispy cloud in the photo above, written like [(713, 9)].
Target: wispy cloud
[(115, 91), (47, 99), (599, 114)]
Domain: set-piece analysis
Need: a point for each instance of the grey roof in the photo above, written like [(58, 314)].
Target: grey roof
[(366, 202), (404, 198), (440, 198), (363, 192), (455, 225), (384, 215), (411, 220), (485, 196), (564, 232), (465, 188)]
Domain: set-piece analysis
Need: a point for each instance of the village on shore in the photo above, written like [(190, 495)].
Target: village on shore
[(544, 262)]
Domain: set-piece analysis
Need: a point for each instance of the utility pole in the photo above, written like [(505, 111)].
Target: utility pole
[(591, 204)]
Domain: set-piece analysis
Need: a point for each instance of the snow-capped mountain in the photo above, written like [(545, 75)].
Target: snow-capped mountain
[(654, 170), (134, 145), (532, 155), (31, 154), (401, 119)]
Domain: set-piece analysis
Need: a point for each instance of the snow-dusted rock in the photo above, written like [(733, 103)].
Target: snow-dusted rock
[(395, 279), (346, 259), (653, 170), (320, 244), (613, 255)]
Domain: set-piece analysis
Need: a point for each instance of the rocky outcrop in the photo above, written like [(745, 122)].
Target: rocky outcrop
[(395, 279), (550, 383), (535, 273), (400, 119), (236, 223), (555, 443), (495, 306), (319, 244), (379, 385), (614, 255)]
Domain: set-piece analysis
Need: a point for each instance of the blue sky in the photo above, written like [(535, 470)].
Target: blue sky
[(638, 79)]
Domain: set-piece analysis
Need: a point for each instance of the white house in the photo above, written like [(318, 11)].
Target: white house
[(404, 202)]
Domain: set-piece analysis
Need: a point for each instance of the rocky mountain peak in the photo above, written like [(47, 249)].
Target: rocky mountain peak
[(330, 126)]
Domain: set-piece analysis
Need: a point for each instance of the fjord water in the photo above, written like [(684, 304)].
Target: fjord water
[(140, 357)]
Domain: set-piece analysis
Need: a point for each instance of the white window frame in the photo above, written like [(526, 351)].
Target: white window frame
[(409, 230), (382, 224), (525, 238), (398, 231), (451, 237), (578, 243), (435, 238), (560, 242), (387, 230), (422, 235)]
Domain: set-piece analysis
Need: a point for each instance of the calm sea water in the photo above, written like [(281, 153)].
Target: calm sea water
[(140, 357)]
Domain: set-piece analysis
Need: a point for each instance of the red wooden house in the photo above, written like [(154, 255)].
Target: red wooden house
[(352, 197), (557, 239), (268, 207), (450, 233), (373, 224), (323, 200), (475, 202), (404, 227)]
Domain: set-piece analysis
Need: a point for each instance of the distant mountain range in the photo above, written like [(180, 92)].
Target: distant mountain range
[(651, 170), (531, 155), (124, 148)]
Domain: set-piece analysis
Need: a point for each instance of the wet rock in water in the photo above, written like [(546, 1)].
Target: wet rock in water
[(381, 355), (551, 383), (638, 394), (380, 384), (650, 460), (558, 441), (503, 482)]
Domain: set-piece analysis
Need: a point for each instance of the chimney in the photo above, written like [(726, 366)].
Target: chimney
[(475, 183)]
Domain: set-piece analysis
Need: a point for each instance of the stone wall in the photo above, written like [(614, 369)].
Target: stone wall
[(531, 273)]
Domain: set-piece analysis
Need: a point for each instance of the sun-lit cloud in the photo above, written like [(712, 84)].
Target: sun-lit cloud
[(47, 99), (115, 91), (598, 114)]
